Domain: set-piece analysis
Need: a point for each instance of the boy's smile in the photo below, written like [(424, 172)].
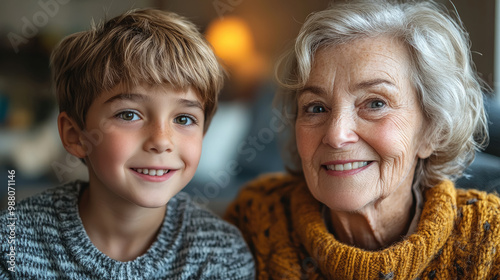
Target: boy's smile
[(155, 175), (148, 145)]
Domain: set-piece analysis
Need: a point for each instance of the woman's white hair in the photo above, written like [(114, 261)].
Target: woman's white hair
[(442, 72)]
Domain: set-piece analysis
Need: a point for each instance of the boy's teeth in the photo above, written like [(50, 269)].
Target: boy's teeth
[(347, 166), (152, 172)]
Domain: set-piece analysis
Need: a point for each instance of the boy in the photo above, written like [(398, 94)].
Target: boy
[(136, 96)]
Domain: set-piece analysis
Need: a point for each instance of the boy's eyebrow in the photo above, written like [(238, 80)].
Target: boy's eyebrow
[(127, 96), (189, 103), (139, 97)]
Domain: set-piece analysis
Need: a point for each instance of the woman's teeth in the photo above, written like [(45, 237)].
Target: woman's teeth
[(347, 166), (152, 172)]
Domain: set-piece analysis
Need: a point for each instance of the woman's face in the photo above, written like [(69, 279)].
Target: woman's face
[(359, 128)]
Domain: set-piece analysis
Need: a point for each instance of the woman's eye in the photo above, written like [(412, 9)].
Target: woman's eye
[(377, 104), (185, 120), (315, 109), (128, 116)]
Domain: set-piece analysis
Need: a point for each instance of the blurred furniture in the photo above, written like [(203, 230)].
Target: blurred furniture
[(484, 172)]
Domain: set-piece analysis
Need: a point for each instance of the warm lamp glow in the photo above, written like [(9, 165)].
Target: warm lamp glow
[(231, 39)]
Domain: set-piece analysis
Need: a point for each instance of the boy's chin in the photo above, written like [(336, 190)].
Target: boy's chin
[(153, 202)]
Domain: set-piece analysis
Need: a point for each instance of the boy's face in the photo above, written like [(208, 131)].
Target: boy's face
[(158, 129)]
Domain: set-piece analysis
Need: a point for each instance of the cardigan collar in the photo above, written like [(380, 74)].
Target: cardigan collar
[(417, 211), (403, 260)]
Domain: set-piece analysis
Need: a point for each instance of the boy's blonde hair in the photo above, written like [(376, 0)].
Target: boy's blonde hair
[(140, 46)]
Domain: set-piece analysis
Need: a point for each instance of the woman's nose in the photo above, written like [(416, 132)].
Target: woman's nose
[(159, 139), (341, 130)]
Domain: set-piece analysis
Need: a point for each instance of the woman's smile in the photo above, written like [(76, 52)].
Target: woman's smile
[(348, 168)]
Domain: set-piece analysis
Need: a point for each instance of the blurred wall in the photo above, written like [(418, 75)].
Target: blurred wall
[(478, 18)]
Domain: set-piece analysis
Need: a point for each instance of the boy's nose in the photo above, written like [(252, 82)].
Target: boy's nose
[(159, 140)]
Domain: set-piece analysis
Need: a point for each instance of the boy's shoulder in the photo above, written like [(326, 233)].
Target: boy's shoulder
[(198, 219), (36, 230), (47, 201), (191, 231)]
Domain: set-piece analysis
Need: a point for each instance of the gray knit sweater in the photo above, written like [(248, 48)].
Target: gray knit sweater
[(51, 243)]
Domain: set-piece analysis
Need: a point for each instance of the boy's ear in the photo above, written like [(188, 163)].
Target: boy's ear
[(70, 134)]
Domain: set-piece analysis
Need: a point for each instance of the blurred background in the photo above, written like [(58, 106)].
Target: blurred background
[(244, 138)]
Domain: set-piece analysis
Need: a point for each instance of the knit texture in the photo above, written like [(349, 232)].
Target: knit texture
[(51, 243), (457, 236)]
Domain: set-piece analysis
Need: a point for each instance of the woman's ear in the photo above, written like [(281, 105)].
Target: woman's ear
[(425, 150), (70, 134)]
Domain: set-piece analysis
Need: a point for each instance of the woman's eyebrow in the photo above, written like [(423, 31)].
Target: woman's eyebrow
[(361, 85), (312, 89), (372, 83), (127, 96)]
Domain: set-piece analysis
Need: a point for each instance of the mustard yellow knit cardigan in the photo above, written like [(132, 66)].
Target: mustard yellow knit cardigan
[(457, 236)]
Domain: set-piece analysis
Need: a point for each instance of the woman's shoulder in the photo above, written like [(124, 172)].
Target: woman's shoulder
[(478, 207), (261, 200), (463, 198), (476, 231), (271, 185), (467, 197), (477, 220)]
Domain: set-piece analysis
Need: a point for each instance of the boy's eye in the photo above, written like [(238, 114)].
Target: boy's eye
[(128, 116), (185, 120)]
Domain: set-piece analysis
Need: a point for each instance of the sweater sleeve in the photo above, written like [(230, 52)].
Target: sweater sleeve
[(237, 263), (4, 272), (494, 226), (235, 214), (256, 200), (246, 211), (261, 212), (226, 254), (495, 270), (479, 221)]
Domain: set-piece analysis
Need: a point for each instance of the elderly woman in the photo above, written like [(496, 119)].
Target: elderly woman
[(387, 112)]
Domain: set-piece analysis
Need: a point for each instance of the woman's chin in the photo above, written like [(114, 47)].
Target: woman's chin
[(344, 201)]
